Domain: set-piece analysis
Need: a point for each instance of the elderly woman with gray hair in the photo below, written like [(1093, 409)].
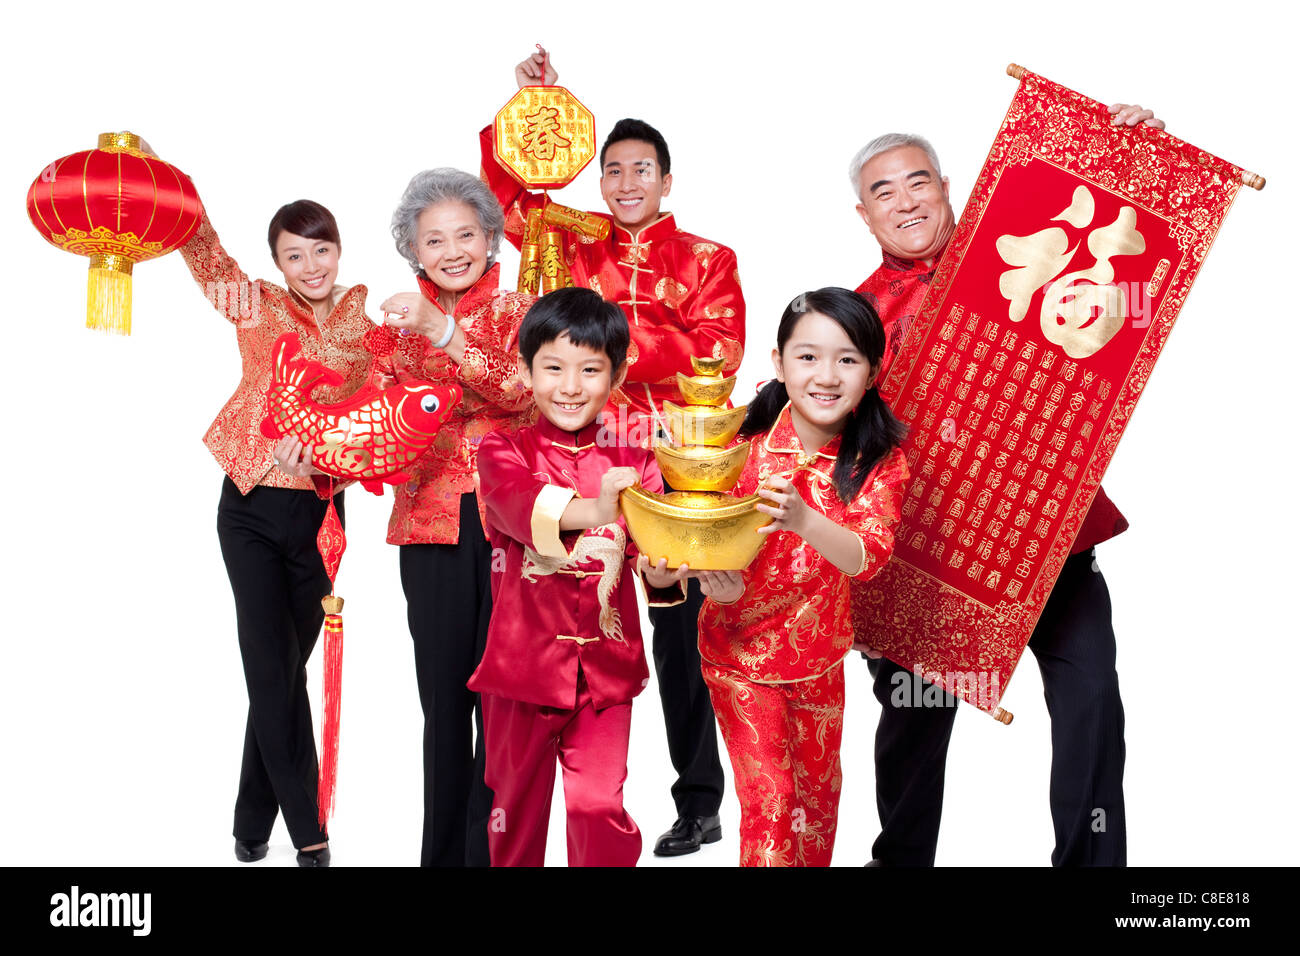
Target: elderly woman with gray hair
[(457, 328)]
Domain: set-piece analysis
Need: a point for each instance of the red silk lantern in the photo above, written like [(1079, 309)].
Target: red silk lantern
[(119, 206)]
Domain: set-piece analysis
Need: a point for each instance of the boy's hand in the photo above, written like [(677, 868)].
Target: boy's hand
[(658, 576), (611, 483), (787, 506), (725, 587)]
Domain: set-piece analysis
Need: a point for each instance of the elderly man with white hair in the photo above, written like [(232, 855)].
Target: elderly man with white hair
[(904, 199)]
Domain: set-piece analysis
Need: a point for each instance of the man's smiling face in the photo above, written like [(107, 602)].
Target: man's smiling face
[(905, 203), (631, 183)]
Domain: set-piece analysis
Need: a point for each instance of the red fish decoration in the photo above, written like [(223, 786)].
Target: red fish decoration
[(371, 437)]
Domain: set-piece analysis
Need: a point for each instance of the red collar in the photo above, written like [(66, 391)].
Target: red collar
[(346, 294), (569, 441), (480, 293), (897, 264), (661, 228), (782, 437)]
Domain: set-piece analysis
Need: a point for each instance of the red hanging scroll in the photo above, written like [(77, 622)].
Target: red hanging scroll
[(1053, 300)]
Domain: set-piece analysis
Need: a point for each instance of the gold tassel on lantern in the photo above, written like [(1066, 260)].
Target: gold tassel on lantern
[(108, 294)]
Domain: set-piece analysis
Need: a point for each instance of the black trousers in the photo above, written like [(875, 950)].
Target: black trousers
[(688, 711), (1074, 644), (448, 604), (268, 541)]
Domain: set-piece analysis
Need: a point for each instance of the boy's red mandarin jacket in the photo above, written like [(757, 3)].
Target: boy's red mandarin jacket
[(560, 600), (426, 509), (261, 312), (681, 293), (793, 621)]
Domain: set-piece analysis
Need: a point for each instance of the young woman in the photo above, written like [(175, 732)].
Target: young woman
[(458, 327), (824, 454), (269, 516)]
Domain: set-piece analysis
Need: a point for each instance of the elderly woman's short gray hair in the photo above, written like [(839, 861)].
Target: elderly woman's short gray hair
[(883, 144), (439, 185)]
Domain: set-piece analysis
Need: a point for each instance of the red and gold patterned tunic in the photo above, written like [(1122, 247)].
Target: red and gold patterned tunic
[(793, 622), (896, 291), (570, 594), (261, 312), (681, 293), (426, 510)]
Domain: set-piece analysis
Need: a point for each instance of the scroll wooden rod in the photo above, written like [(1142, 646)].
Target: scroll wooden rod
[(1253, 180)]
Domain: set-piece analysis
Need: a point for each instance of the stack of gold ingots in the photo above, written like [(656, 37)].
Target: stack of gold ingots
[(698, 523)]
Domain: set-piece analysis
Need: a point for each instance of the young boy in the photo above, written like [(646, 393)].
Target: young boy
[(564, 657), (681, 295)]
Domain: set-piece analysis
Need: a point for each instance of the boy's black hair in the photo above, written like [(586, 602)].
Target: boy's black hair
[(872, 431), (638, 129), (588, 319)]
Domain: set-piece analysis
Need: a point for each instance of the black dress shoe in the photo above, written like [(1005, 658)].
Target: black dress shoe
[(319, 857), (249, 851), (687, 834)]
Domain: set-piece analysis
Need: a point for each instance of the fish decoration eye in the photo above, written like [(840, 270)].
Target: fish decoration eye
[(429, 404)]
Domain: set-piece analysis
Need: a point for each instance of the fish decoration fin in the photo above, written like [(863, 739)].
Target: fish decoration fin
[(290, 368), (373, 485)]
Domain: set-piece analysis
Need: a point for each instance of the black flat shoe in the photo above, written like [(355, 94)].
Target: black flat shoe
[(319, 857), (249, 851), (687, 834)]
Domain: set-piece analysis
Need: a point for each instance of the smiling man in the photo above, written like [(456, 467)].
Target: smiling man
[(904, 199), (682, 297)]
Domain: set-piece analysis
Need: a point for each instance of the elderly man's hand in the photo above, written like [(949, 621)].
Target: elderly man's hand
[(1130, 115), (529, 72)]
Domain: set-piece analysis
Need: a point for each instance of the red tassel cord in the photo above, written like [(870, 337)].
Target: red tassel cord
[(331, 543), (331, 694)]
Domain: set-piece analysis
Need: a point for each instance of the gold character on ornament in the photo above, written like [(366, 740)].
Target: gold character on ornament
[(543, 135)]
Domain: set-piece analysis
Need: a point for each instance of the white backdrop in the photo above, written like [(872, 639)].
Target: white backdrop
[(122, 699)]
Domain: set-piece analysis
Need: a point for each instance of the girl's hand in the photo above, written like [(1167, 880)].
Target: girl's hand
[(411, 312), (529, 71), (611, 483), (294, 458), (658, 576), (787, 507), (725, 587)]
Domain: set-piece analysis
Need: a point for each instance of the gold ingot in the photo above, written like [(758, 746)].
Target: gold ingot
[(705, 389), (701, 468), (708, 366), (703, 425), (709, 531)]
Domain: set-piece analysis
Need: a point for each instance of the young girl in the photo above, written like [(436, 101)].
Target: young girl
[(824, 454)]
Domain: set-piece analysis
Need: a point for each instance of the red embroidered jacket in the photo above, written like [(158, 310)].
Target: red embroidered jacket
[(561, 600), (261, 312), (681, 293), (426, 510), (896, 290), (793, 621)]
